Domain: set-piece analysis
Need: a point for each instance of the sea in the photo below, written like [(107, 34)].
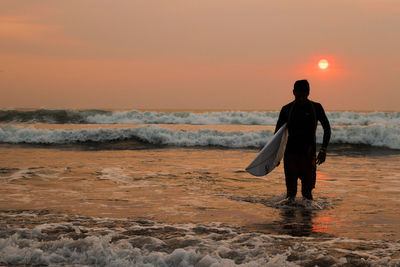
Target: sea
[(169, 188)]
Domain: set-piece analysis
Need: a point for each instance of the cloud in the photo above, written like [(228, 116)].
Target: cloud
[(26, 33)]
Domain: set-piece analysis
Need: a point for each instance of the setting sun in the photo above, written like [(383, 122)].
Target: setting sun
[(323, 64)]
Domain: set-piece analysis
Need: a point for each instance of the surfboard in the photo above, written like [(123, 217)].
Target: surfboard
[(270, 155)]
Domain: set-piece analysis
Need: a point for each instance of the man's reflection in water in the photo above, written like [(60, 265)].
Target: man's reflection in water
[(297, 222), (302, 222)]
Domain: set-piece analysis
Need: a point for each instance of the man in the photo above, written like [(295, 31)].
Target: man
[(302, 116)]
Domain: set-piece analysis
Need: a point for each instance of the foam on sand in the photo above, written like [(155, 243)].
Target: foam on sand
[(77, 240)]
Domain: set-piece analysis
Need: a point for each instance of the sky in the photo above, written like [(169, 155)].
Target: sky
[(208, 54)]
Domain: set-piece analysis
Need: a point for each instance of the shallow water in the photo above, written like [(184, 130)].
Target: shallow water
[(356, 196), (134, 203)]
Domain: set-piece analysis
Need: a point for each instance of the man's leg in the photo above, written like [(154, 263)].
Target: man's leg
[(291, 175), (308, 177), (291, 186), (306, 188)]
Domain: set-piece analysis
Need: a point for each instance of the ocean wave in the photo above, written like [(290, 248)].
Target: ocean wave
[(47, 116), (149, 134), (374, 135), (204, 118)]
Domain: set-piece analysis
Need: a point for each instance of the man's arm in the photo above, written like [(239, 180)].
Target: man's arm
[(327, 134), (281, 120), (326, 126)]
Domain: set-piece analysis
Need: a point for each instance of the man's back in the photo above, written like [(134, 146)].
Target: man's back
[(302, 120)]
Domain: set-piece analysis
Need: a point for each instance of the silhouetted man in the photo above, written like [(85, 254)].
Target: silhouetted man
[(302, 116)]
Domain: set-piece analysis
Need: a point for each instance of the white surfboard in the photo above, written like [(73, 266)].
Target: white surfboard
[(270, 155)]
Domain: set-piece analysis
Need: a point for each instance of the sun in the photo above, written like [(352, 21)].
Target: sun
[(323, 64)]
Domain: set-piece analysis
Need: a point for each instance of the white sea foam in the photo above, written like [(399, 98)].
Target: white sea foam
[(374, 135), (236, 117), (206, 118), (211, 118), (150, 134), (108, 242), (381, 135)]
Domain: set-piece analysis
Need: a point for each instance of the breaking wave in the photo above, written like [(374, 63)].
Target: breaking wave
[(210, 118), (374, 135)]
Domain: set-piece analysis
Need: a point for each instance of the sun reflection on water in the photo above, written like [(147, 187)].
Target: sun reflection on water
[(322, 224)]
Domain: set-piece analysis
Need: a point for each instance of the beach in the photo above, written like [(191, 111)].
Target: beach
[(164, 188)]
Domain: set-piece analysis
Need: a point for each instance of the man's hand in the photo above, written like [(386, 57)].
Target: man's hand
[(321, 157)]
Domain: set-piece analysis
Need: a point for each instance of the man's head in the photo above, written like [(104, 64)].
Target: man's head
[(301, 91)]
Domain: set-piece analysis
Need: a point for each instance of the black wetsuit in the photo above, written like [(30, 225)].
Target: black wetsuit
[(299, 160)]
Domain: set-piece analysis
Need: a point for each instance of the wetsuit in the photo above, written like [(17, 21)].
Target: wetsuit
[(299, 158)]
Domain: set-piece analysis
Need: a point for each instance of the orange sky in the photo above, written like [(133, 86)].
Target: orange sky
[(209, 54)]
